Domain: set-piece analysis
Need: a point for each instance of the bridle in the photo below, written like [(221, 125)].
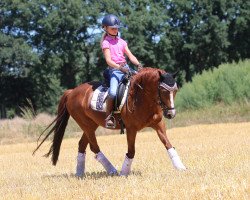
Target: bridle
[(164, 107)]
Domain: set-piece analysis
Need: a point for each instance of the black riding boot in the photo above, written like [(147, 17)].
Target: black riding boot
[(110, 120)]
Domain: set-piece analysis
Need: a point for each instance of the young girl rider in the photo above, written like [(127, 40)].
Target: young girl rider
[(114, 48)]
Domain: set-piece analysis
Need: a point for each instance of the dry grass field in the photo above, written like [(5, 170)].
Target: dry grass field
[(217, 157)]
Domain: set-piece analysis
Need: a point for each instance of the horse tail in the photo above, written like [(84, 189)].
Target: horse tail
[(60, 123)]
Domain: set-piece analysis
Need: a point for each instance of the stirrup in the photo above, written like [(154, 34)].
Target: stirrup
[(112, 118)]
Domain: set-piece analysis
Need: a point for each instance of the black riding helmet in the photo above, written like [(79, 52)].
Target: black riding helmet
[(111, 21)]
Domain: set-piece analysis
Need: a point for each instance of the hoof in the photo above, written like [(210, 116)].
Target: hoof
[(124, 173), (78, 176), (113, 173)]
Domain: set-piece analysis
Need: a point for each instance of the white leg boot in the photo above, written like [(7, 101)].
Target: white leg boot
[(80, 167), (106, 164), (176, 159), (126, 167)]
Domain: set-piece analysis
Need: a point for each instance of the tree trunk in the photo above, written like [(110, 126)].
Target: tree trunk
[(68, 79), (3, 113)]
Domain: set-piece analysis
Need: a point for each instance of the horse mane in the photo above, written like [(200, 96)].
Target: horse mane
[(145, 75), (147, 78), (149, 72)]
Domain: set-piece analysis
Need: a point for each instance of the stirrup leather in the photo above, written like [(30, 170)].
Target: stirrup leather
[(112, 119)]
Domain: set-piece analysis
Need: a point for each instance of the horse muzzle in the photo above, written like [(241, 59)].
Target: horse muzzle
[(169, 113)]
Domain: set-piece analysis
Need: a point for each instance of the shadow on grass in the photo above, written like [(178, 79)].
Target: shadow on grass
[(87, 175)]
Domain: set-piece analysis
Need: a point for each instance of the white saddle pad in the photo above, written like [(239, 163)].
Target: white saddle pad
[(98, 101)]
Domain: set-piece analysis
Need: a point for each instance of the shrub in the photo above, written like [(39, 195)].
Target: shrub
[(226, 84)]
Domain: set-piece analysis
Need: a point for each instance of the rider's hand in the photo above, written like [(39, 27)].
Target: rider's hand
[(139, 67), (123, 69)]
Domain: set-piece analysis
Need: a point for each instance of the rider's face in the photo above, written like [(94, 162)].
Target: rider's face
[(112, 31)]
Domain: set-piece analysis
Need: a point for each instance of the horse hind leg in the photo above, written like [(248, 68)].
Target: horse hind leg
[(88, 127), (82, 145), (110, 169), (89, 135), (100, 157)]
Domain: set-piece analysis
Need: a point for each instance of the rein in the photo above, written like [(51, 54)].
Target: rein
[(130, 76), (160, 102)]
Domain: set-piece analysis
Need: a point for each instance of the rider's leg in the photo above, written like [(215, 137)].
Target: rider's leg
[(116, 76), (109, 109)]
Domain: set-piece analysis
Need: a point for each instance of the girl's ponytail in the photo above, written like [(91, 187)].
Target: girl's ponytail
[(102, 38)]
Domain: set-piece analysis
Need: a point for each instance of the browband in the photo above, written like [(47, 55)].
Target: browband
[(167, 87)]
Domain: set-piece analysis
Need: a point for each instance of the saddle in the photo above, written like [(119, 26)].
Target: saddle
[(98, 101)]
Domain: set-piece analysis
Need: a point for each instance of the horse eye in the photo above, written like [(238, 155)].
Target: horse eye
[(165, 91)]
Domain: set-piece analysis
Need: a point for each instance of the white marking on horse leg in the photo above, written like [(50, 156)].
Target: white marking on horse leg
[(80, 167), (126, 167), (100, 157), (176, 161)]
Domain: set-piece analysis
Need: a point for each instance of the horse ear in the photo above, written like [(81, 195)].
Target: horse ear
[(175, 73), (161, 76)]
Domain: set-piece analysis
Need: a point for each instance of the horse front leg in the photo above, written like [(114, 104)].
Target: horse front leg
[(126, 167), (161, 131)]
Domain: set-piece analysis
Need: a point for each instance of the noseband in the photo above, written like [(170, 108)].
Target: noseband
[(164, 107)]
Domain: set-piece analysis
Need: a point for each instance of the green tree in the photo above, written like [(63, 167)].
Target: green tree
[(198, 35), (16, 60), (21, 76), (47, 46), (65, 36), (238, 19)]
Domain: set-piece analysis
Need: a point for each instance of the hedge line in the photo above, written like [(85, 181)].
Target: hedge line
[(226, 84)]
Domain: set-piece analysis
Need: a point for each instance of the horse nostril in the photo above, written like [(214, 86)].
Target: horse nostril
[(169, 116)]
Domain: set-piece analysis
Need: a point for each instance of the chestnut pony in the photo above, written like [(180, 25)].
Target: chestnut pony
[(150, 97)]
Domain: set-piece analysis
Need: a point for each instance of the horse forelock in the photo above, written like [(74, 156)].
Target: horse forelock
[(169, 80)]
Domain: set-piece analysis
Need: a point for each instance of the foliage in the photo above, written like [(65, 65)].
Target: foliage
[(47, 46), (227, 84)]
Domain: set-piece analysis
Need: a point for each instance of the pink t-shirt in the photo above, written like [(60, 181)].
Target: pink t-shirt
[(117, 48)]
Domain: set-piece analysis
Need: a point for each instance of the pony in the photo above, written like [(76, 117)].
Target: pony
[(150, 97)]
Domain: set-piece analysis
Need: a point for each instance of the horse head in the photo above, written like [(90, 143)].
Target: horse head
[(167, 89)]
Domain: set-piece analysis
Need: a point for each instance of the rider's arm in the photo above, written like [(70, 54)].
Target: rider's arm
[(131, 57)]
